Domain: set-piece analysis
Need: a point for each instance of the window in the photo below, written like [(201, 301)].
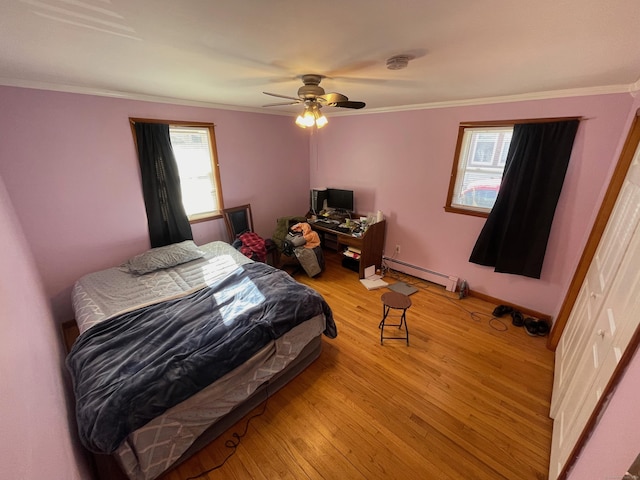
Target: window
[(197, 166), (194, 148), (481, 154)]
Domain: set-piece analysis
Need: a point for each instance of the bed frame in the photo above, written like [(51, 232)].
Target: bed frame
[(125, 459), (107, 467)]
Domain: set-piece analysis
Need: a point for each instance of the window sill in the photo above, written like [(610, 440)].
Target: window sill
[(205, 217), (464, 211)]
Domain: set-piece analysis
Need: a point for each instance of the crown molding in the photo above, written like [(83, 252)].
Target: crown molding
[(632, 89), (55, 87), (546, 95)]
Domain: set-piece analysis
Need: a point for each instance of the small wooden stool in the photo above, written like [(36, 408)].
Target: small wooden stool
[(397, 301)]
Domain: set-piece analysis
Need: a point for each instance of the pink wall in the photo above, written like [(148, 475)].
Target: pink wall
[(37, 439), (401, 162), (70, 167)]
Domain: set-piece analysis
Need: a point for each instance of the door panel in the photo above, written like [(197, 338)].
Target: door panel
[(602, 322), (570, 353)]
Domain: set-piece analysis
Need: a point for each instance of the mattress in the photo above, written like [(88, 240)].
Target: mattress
[(101, 295), (155, 447)]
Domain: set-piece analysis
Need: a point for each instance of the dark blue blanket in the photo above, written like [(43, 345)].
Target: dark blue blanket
[(129, 369)]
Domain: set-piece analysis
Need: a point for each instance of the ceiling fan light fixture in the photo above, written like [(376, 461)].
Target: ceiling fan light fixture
[(305, 120), (313, 97), (310, 117)]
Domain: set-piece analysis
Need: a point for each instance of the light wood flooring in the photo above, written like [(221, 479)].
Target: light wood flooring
[(468, 399)]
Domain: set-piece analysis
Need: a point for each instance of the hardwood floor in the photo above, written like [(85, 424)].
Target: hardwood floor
[(469, 398)]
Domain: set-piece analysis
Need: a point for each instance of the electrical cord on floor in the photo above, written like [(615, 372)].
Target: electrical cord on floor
[(494, 322), (387, 271), (234, 442)]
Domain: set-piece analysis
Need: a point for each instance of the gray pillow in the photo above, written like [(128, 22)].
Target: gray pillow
[(163, 257)]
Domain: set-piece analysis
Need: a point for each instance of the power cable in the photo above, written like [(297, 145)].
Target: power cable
[(234, 442)]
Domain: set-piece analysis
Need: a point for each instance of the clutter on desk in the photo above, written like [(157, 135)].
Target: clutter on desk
[(343, 223)]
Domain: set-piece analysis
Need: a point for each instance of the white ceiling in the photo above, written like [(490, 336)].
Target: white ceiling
[(227, 52)]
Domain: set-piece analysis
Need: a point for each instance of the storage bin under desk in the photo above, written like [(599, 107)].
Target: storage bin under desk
[(351, 263)]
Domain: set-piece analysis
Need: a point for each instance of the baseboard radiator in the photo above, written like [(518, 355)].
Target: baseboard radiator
[(450, 283)]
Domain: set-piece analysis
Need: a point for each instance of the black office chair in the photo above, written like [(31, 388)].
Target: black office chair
[(239, 220)]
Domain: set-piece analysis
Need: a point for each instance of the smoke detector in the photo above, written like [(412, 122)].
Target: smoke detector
[(398, 62)]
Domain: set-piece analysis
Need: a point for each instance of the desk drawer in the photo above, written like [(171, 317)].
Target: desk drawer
[(330, 240)]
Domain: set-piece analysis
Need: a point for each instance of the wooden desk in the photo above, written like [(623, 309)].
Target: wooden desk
[(371, 243)]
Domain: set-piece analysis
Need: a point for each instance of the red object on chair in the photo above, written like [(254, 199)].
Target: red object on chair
[(239, 221)]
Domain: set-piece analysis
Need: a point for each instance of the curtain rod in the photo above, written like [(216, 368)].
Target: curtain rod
[(182, 123), (522, 120)]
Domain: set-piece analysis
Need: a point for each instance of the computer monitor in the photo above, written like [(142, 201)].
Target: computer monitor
[(338, 199)]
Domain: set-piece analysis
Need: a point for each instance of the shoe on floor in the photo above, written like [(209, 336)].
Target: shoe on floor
[(501, 310), (531, 326), (536, 328), (517, 319), (543, 328)]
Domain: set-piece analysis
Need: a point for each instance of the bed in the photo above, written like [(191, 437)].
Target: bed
[(179, 343)]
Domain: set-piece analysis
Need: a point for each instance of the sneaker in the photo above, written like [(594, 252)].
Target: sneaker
[(543, 328), (531, 326), (517, 319), (501, 310)]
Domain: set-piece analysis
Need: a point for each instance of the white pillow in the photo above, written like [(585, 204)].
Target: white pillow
[(163, 257)]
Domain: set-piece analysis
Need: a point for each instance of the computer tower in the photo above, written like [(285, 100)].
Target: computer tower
[(318, 197)]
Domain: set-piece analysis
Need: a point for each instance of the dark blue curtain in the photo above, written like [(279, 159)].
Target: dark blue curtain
[(515, 235), (167, 220)]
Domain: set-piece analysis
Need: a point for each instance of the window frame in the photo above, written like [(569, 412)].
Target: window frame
[(449, 207), (215, 167)]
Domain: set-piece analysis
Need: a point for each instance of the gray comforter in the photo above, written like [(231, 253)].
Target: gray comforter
[(131, 368)]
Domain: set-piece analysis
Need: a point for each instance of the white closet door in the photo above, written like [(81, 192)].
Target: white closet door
[(572, 351), (602, 322)]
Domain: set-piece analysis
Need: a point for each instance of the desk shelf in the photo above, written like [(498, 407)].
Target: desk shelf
[(371, 243), (330, 240)]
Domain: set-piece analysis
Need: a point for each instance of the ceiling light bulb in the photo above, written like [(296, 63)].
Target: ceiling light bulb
[(307, 118), (321, 121), (311, 116), (300, 121)]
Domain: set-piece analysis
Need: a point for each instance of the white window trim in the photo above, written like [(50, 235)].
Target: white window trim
[(460, 166)]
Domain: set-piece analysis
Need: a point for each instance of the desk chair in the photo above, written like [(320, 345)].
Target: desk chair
[(239, 220)]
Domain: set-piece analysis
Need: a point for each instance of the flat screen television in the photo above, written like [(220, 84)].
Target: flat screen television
[(338, 199)]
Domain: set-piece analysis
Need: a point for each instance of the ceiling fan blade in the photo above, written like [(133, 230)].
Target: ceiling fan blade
[(332, 97), (282, 103), (347, 104), (281, 96)]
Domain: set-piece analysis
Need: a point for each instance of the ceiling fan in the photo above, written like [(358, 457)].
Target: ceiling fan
[(313, 96)]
